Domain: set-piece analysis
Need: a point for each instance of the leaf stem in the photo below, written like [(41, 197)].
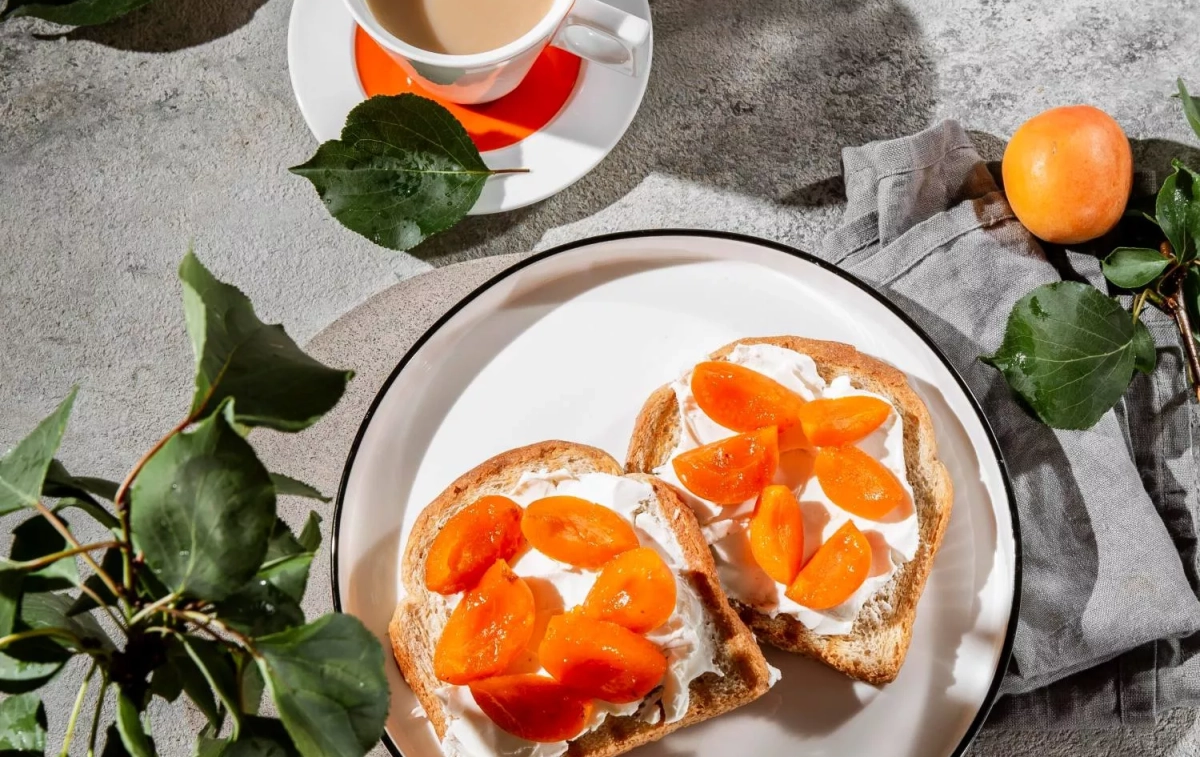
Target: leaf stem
[(123, 509), (1139, 302), (1179, 312), (34, 633), (208, 622), (66, 748), (496, 171), (70, 537), (150, 609), (45, 560), (91, 751)]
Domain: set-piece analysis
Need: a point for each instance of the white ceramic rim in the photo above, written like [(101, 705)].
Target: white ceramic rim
[(1005, 652), (597, 114), (542, 31)]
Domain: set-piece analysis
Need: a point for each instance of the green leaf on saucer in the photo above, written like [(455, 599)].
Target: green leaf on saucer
[(72, 12), (274, 382), (328, 683), (403, 170), (22, 726), (202, 510), (1133, 267), (23, 469), (1068, 351)]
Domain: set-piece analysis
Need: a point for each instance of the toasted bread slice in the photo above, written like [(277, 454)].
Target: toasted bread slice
[(416, 625), (875, 648)]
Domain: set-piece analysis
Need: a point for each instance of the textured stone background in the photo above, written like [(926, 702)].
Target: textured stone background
[(119, 146)]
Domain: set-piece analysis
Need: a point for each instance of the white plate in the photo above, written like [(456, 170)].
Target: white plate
[(325, 80), (567, 345)]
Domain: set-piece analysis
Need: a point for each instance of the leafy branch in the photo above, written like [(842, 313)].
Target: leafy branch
[(208, 578), (1071, 351)]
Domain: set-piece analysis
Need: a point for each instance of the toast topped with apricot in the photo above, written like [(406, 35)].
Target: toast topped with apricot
[(556, 605), (813, 471)]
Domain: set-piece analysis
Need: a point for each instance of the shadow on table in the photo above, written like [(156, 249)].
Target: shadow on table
[(168, 25), (754, 97)]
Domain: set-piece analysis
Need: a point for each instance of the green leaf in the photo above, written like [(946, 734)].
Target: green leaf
[(1191, 297), (404, 169), (23, 469), (274, 382), (22, 726), (202, 509), (328, 683), (11, 582), (113, 565), (1190, 107), (1172, 209), (1145, 354), (51, 611), (194, 683), (264, 607), (261, 737), (216, 664), (18, 676), (251, 686), (73, 12), (59, 483), (165, 682), (92, 508), (310, 536), (1069, 352), (112, 743), (129, 725), (36, 538), (292, 487), (1133, 267)]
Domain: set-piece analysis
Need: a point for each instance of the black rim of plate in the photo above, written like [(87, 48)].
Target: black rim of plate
[(1005, 652)]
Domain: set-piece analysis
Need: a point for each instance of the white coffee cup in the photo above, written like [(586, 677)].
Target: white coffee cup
[(591, 29)]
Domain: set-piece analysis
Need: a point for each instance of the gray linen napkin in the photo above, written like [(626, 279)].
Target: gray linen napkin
[(1109, 631)]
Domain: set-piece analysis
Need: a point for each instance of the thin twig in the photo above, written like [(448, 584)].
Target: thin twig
[(34, 633), (61, 527), (150, 609), (96, 714), (1179, 312), (496, 171), (45, 560), (207, 623), (66, 748)]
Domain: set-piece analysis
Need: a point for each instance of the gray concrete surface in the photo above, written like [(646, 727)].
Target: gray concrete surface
[(121, 145)]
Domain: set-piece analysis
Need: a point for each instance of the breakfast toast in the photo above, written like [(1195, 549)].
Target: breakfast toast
[(874, 649), (420, 616)]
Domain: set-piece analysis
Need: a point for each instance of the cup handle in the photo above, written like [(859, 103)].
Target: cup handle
[(603, 34)]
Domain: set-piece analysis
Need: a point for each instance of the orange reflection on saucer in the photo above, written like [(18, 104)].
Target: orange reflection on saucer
[(500, 123)]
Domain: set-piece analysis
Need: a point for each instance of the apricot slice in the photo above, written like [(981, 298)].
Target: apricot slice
[(487, 630), (835, 572), (577, 532), (743, 399), (857, 482), (487, 530), (777, 534), (844, 420), (731, 470), (635, 589), (532, 707), (599, 659)]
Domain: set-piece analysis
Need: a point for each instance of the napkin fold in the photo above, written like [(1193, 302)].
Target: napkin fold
[(1109, 629)]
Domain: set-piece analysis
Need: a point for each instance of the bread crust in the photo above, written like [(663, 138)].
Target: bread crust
[(877, 644), (415, 627)]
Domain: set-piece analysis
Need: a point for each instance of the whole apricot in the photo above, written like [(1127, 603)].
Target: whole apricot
[(1067, 174)]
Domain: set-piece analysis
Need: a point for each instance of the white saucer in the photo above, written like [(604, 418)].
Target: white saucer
[(325, 80)]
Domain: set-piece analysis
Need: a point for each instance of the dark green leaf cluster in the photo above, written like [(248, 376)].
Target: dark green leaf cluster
[(1070, 351), (201, 576), (72, 12)]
